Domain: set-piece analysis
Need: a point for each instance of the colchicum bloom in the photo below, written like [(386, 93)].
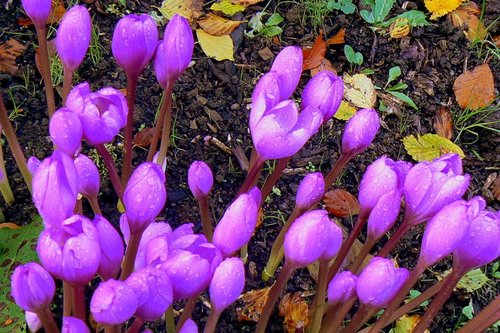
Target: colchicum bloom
[(227, 284), (111, 246), (360, 131), (66, 131), (288, 67), (88, 176), (74, 325), (310, 191), (200, 179), (32, 287), (38, 11), (324, 92), (113, 303), (342, 287), (189, 327)]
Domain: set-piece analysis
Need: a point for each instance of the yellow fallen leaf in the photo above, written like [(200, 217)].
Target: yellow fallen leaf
[(439, 8), (429, 146), (406, 324), (227, 7), (189, 9), (475, 89), (359, 90), (217, 47), (245, 3), (345, 111), (399, 28), (218, 26)]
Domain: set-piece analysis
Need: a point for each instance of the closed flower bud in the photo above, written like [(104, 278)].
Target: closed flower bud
[(32, 287), (88, 176), (200, 179), (189, 327), (265, 96), (134, 42), (66, 131), (334, 242), (227, 283), (111, 246), (144, 196), (379, 282), (113, 303), (310, 191), (74, 325), (174, 53), (288, 66), (360, 131), (342, 287), (73, 37), (38, 11), (384, 214), (324, 92)]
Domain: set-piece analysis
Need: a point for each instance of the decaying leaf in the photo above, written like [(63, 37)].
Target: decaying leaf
[(359, 90), (189, 9), (218, 26), (473, 281), (227, 7), (429, 146), (9, 51), (325, 65), (296, 312), (313, 55), (496, 188), (399, 28), (338, 38), (345, 111), (406, 324), (475, 89), (443, 122), (245, 3), (439, 8), (217, 47), (467, 17), (253, 302), (341, 203), (143, 138)]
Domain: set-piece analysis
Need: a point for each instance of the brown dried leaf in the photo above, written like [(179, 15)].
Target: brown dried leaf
[(245, 3), (324, 65), (9, 51), (339, 38), (496, 189), (315, 54), (443, 122), (253, 302), (341, 203), (467, 17), (218, 26), (143, 138), (475, 89), (296, 312)]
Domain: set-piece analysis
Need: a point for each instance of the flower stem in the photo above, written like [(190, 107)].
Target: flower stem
[(486, 318), (365, 249), (336, 315), (67, 81), (94, 204), (110, 165), (4, 184), (78, 302), (67, 299), (165, 111), (136, 326), (274, 294), (213, 317), (318, 304), (361, 316), (336, 169), (252, 176), (206, 221), (41, 33), (188, 310), (47, 319), (395, 238), (127, 157), (130, 254), (169, 320), (275, 175)]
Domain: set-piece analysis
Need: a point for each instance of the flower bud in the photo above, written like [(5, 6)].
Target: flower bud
[(174, 52), (144, 196), (342, 287), (33, 322), (88, 176), (73, 37), (384, 214), (189, 327), (310, 191), (33, 164), (360, 131), (227, 283), (113, 303), (324, 92), (288, 66), (32, 287), (334, 242), (134, 42), (200, 179), (66, 131), (74, 325), (111, 246), (38, 11), (265, 96)]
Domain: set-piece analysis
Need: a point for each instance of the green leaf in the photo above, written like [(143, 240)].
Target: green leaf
[(404, 98), (468, 311), (274, 19), (367, 16), (17, 246), (473, 280), (367, 71), (382, 9), (226, 7), (394, 73), (271, 31), (415, 18), (358, 58), (398, 86), (429, 146), (350, 54), (348, 8)]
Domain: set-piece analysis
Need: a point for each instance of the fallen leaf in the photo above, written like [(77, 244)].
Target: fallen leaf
[(227, 7), (296, 312), (338, 38), (9, 51), (217, 47), (399, 28), (253, 302), (189, 9), (496, 188), (245, 3), (9, 225), (359, 90), (143, 138), (439, 8), (496, 40), (313, 55), (473, 280), (324, 65), (406, 324), (345, 111), (341, 203), (429, 146), (475, 89), (218, 26), (443, 122), (467, 17)]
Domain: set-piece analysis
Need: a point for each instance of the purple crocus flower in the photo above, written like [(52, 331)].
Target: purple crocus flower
[(111, 246), (324, 92), (265, 96), (33, 322), (310, 191), (134, 42), (227, 284), (66, 131), (38, 11), (113, 303), (32, 287), (360, 131), (342, 287), (379, 282), (144, 196), (189, 327), (200, 179), (74, 325), (55, 188), (73, 37), (334, 242), (288, 66), (88, 176), (236, 225), (33, 164), (174, 52)]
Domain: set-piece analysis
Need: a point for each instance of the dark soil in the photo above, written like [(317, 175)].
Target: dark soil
[(212, 98)]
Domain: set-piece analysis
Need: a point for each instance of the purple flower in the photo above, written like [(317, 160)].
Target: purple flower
[(379, 282), (334, 242), (307, 238), (66, 131), (153, 290), (342, 287), (189, 327), (33, 164), (88, 176), (384, 214), (227, 284), (134, 42), (32, 287), (55, 188), (74, 325), (38, 11), (324, 92), (73, 254), (113, 303), (236, 225), (265, 96), (144, 196), (360, 131), (431, 185), (73, 37), (310, 191), (111, 246), (200, 179), (174, 53), (33, 322), (288, 67)]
